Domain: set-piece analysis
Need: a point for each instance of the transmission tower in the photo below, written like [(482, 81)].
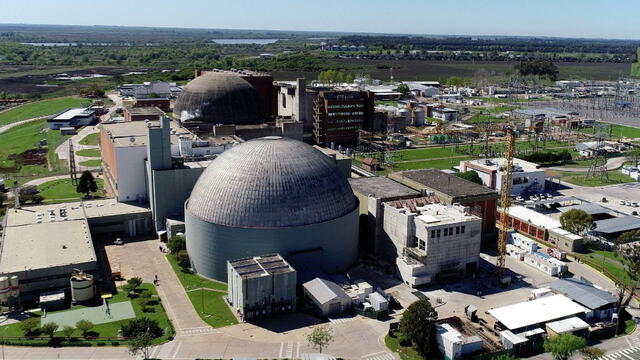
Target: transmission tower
[(598, 166), (72, 165)]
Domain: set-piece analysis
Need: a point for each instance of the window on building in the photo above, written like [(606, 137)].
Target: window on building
[(433, 233), (438, 233), (284, 101), (446, 231), (457, 230), (421, 244), (462, 229), (451, 231)]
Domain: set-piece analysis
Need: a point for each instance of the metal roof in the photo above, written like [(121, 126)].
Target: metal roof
[(618, 224), (583, 293), (324, 290), (258, 266), (589, 208), (539, 311), (437, 180), (381, 187)]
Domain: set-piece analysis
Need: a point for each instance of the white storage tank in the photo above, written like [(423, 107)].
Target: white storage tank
[(82, 287), (406, 114), (14, 286), (4, 288)]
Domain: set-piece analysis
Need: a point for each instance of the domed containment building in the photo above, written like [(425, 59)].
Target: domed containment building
[(218, 98), (272, 195)]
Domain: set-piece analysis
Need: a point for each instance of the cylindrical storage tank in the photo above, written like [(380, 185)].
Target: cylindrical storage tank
[(419, 114), (406, 114), (4, 288), (15, 286), (82, 288)]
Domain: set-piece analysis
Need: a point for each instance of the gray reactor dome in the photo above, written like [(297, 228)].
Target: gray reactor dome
[(272, 195), (218, 98)]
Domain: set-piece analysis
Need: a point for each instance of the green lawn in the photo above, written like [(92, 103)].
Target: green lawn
[(581, 179), (618, 131), (64, 190), (206, 296), (91, 163), (441, 164), (89, 153), (40, 108), (406, 353), (106, 330), (91, 139), (212, 307), (26, 137), (599, 260)]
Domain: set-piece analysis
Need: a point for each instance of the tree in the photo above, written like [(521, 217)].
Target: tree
[(140, 344), (505, 357), (576, 221), (455, 81), (84, 326), (630, 258), (418, 323), (633, 156), (592, 353), (320, 337), (538, 67), (29, 326), (49, 329), (140, 326), (133, 284), (182, 257), (68, 331), (176, 244), (87, 184), (403, 88), (629, 236), (470, 176), (563, 346)]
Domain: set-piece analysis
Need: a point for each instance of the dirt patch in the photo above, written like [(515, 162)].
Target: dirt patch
[(30, 157)]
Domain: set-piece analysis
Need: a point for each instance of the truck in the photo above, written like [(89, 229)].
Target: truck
[(557, 253)]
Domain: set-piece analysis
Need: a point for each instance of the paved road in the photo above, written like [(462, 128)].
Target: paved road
[(8, 127), (612, 164)]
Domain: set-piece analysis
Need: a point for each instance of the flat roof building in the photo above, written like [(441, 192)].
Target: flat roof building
[(261, 286), (73, 117), (601, 303), (537, 312), (451, 189), (151, 113), (527, 177)]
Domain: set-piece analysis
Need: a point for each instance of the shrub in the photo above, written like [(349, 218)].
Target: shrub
[(182, 258), (140, 326), (29, 326), (84, 326), (176, 244)]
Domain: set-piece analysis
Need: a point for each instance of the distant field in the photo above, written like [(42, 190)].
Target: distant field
[(441, 70), (25, 137), (38, 109), (618, 131)]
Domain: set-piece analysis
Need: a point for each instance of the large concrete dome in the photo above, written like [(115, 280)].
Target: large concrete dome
[(218, 98), (272, 195)]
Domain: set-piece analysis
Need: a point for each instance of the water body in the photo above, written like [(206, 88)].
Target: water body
[(244, 41), (63, 44)]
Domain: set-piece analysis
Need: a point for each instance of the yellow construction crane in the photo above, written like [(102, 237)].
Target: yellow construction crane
[(505, 202)]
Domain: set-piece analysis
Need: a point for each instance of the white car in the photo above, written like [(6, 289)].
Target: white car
[(119, 241), (634, 204), (519, 198), (622, 202), (628, 203)]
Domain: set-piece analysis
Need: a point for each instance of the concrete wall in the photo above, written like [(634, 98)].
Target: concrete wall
[(131, 172), (168, 191), (400, 229), (210, 246)]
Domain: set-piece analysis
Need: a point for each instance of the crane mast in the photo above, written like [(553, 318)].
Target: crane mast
[(505, 202)]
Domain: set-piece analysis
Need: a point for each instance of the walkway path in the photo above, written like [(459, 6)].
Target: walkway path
[(63, 149), (8, 127)]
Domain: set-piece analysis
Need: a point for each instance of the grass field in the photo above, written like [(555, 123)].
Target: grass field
[(64, 190), (406, 353), (600, 259), (91, 163), (435, 164), (40, 108), (106, 330), (25, 137), (91, 139), (615, 177), (206, 297), (89, 153), (618, 131)]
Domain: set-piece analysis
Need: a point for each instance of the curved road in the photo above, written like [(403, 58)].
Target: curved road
[(7, 127)]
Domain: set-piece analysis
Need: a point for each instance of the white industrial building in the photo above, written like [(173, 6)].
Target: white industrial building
[(432, 241), (527, 177), (328, 297), (631, 171), (72, 118), (144, 90), (261, 286), (545, 263), (444, 114)]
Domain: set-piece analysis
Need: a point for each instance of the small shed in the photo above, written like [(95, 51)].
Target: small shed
[(53, 301), (327, 296), (370, 164), (573, 325)]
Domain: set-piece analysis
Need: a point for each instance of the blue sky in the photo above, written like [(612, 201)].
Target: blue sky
[(565, 18)]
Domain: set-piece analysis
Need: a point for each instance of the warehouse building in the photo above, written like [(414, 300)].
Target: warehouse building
[(151, 113), (261, 286), (72, 118), (450, 189), (600, 303), (272, 195), (526, 176), (43, 244), (614, 227), (328, 297)]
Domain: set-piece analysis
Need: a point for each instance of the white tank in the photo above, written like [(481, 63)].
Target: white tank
[(405, 113), (419, 114), (82, 288), (15, 286), (4, 288), (185, 145)]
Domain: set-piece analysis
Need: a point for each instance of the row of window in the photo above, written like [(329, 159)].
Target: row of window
[(341, 128), (448, 231), (347, 121), (346, 113), (345, 106)]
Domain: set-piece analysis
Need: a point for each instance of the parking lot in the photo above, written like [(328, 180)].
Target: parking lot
[(613, 193)]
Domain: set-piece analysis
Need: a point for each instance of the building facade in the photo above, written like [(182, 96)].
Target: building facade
[(339, 115)]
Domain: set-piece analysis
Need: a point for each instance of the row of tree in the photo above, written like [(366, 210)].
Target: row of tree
[(548, 157)]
